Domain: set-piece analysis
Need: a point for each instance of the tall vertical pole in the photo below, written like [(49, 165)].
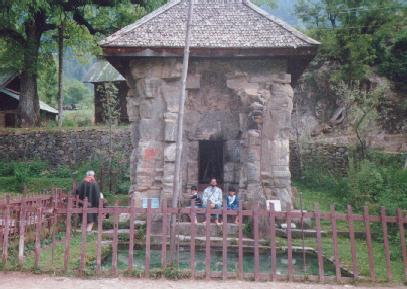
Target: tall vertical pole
[(180, 128), (60, 73)]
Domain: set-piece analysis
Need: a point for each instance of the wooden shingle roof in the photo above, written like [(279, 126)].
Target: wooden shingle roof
[(216, 24)]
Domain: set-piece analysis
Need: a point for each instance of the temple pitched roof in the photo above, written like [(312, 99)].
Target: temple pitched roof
[(230, 24)]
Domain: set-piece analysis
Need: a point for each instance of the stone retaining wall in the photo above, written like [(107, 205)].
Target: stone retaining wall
[(62, 147), (331, 157)]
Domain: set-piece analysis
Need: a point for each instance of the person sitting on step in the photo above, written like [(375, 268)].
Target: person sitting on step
[(232, 202), (197, 199), (212, 197)]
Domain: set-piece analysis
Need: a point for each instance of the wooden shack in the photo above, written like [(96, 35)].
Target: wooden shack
[(10, 97), (102, 72)]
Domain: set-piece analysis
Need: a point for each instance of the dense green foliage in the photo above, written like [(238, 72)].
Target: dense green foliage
[(358, 34), (379, 180), (360, 39), (28, 34)]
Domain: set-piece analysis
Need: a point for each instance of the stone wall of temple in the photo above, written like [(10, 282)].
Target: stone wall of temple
[(245, 103)]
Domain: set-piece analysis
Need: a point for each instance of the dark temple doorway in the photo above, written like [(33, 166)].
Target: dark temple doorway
[(210, 161)]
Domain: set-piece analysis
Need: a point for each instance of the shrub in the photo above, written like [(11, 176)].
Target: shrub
[(21, 173), (6, 169), (365, 183)]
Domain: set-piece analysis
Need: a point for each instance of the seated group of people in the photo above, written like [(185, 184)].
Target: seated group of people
[(212, 197)]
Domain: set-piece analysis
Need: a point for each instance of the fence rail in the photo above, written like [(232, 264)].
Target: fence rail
[(258, 234)]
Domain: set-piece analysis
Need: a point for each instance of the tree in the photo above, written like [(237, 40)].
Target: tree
[(355, 34), (111, 114), (26, 26)]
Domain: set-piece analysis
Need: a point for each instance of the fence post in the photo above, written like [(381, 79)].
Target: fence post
[(115, 240), (386, 244), (225, 241), (148, 238), (193, 235), (256, 241), (289, 245), (352, 243), (240, 262), (369, 244), (335, 243), (82, 263), (131, 235), (54, 225), (321, 272), (208, 242), (164, 234), (273, 245), (99, 238), (22, 233), (400, 221), (68, 233), (38, 227), (6, 221)]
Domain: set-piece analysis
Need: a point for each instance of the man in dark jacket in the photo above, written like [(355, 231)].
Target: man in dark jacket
[(89, 188)]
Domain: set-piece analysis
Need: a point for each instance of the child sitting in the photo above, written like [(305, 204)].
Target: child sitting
[(197, 199), (232, 202)]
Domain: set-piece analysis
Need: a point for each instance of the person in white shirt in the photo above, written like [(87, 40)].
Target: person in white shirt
[(212, 197)]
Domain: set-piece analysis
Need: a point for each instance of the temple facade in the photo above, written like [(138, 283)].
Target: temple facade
[(239, 100)]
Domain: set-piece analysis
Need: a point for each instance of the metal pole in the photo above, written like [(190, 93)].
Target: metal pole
[(180, 127)]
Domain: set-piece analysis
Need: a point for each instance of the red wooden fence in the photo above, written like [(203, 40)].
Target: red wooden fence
[(264, 226)]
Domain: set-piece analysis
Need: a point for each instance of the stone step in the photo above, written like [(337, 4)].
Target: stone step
[(184, 228)]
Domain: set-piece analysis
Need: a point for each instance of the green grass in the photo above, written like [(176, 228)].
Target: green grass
[(78, 118), (345, 256), (311, 197), (34, 184)]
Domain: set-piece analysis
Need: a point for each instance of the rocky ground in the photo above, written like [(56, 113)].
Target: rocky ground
[(29, 281)]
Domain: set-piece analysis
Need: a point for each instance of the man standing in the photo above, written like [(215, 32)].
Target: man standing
[(90, 189), (212, 197)]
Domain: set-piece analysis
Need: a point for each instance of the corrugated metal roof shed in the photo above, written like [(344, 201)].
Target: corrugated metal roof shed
[(102, 71), (43, 105)]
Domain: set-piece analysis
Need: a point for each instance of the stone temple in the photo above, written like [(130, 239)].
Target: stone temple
[(239, 101)]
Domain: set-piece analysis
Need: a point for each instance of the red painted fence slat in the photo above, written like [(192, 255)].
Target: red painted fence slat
[(369, 244), (225, 242), (386, 244), (193, 235), (130, 257), (99, 238), (115, 241), (352, 243), (289, 246), (6, 231), (148, 238), (240, 253), (335, 243), (82, 260), (68, 234), (38, 227), (273, 243), (208, 243), (164, 234), (319, 244), (21, 241), (400, 219)]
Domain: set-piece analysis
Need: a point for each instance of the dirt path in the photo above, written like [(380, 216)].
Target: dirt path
[(29, 281)]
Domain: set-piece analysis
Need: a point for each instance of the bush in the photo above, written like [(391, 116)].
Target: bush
[(365, 184), (6, 169)]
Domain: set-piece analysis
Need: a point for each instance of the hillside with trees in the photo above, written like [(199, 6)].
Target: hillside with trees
[(356, 85)]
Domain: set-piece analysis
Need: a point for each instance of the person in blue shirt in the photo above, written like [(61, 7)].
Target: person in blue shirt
[(232, 202)]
